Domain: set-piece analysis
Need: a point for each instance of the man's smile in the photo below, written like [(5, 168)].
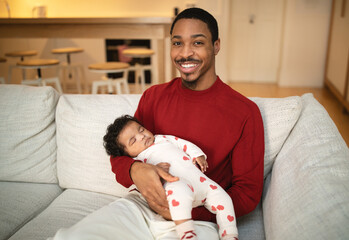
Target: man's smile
[(188, 65)]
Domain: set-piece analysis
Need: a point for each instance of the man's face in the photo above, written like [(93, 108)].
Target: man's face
[(192, 51), (135, 138)]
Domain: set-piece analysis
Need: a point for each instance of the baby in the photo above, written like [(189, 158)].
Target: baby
[(127, 137)]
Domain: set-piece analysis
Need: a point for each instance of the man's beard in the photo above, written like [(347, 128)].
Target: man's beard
[(189, 84)]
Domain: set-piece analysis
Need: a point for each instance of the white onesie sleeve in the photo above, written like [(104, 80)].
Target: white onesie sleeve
[(189, 148)]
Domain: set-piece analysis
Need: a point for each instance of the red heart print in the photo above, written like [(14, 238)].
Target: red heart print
[(169, 192), (185, 158), (213, 208), (224, 233), (230, 218), (213, 187), (202, 179), (220, 207), (191, 187), (175, 203), (176, 138), (145, 160), (185, 148), (203, 200)]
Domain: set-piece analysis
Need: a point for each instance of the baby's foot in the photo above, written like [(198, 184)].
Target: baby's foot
[(189, 235), (185, 230)]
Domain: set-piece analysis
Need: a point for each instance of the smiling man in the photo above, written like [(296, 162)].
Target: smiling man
[(198, 107)]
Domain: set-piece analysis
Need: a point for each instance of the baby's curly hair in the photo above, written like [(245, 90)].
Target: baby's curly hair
[(111, 143)]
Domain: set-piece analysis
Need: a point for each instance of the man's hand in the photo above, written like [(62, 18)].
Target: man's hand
[(201, 162), (147, 178), (165, 166)]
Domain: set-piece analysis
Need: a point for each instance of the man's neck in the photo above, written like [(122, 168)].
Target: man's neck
[(200, 84)]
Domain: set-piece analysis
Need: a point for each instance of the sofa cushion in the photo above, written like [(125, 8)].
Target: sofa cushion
[(82, 120), (27, 134), (20, 202), (279, 116), (66, 210), (251, 225), (309, 184)]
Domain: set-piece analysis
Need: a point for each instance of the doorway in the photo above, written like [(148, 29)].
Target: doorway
[(255, 33)]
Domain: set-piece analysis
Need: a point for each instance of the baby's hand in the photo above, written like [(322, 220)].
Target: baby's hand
[(201, 162)]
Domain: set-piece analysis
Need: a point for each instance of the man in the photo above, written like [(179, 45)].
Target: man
[(202, 109)]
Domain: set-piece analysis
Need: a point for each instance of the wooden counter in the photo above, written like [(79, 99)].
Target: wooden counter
[(156, 29)]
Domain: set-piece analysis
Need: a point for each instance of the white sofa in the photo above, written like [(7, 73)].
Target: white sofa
[(54, 170)]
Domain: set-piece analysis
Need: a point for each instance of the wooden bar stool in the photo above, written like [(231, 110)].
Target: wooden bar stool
[(21, 55), (2, 79), (110, 67), (72, 68), (40, 64), (141, 54)]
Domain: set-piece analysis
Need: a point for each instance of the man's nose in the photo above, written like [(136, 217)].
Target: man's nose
[(186, 51)]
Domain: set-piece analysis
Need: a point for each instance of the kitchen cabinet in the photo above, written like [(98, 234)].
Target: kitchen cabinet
[(337, 69)]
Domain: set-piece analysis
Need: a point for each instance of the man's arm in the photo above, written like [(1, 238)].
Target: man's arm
[(121, 167), (147, 178), (247, 162)]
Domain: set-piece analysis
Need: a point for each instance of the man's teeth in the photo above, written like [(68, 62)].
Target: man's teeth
[(189, 65)]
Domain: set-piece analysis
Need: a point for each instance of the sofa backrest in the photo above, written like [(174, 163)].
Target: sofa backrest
[(279, 117), (27, 134), (82, 120)]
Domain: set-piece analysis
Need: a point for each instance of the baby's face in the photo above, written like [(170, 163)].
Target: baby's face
[(135, 138)]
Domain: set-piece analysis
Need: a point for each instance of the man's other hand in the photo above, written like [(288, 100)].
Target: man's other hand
[(147, 178)]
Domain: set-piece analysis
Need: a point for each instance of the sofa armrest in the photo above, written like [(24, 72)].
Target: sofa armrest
[(307, 193)]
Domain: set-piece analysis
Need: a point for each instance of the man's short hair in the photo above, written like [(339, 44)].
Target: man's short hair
[(202, 15)]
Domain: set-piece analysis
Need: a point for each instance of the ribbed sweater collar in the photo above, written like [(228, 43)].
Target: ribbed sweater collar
[(198, 94)]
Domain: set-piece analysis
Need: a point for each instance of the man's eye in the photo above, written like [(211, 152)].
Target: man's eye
[(176, 43), (198, 43)]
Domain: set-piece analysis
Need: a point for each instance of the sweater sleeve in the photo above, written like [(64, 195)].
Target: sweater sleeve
[(121, 168), (247, 162)]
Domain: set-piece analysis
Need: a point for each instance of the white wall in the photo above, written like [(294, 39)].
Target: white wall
[(305, 38)]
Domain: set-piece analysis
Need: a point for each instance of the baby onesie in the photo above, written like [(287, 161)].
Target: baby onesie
[(193, 188)]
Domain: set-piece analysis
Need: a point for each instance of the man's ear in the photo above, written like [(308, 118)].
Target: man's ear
[(217, 46)]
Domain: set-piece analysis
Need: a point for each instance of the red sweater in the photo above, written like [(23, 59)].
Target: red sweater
[(227, 126)]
